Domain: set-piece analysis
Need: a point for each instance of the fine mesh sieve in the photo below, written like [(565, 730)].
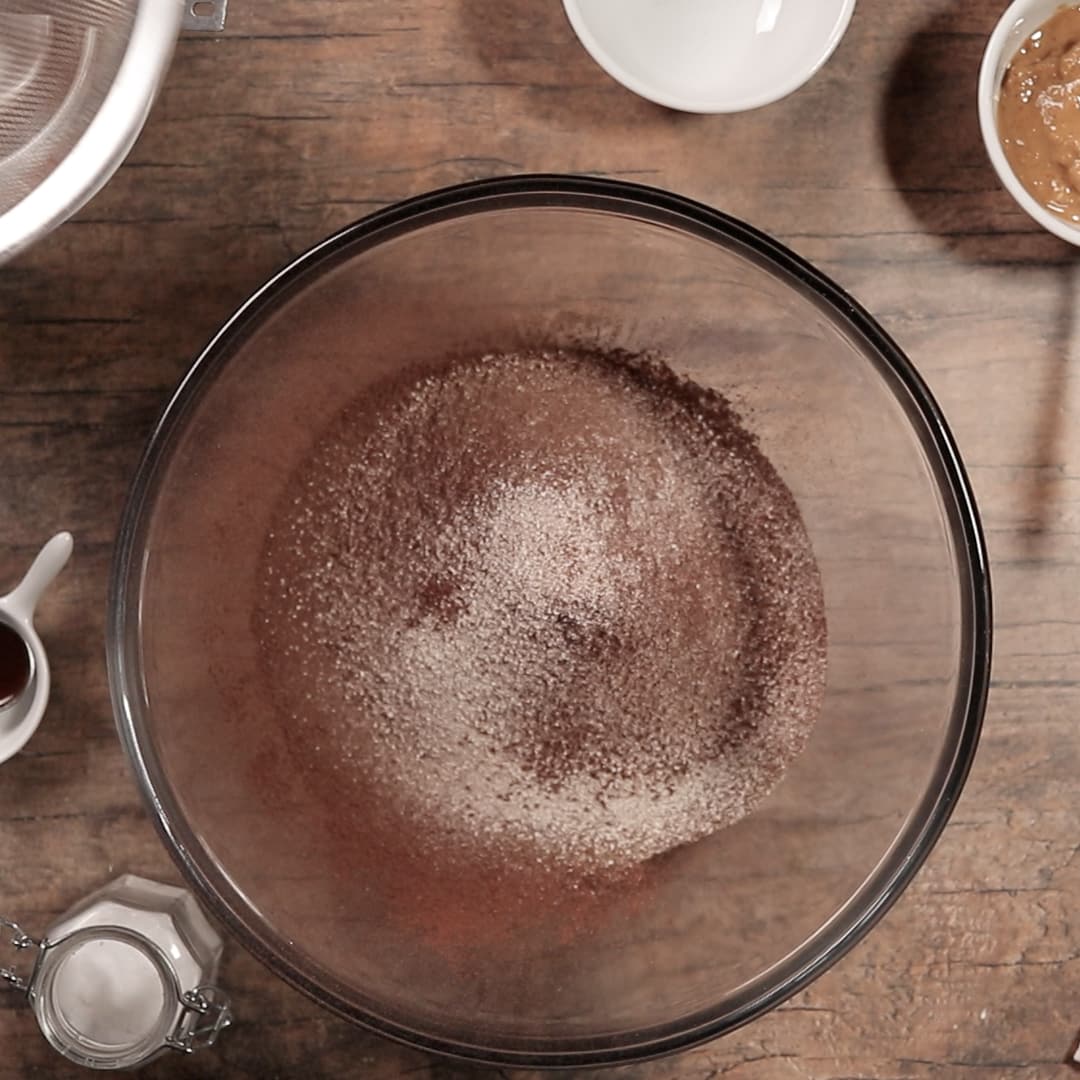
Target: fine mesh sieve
[(77, 78)]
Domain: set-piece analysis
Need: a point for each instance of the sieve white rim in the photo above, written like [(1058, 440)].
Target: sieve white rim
[(109, 137)]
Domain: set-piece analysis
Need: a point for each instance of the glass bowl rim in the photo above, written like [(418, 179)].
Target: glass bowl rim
[(924, 824)]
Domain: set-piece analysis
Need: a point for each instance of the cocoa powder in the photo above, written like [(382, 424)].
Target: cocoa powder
[(534, 620)]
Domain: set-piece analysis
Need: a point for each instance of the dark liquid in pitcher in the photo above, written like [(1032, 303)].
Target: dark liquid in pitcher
[(14, 665)]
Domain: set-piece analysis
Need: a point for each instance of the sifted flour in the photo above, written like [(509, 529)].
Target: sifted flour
[(548, 609)]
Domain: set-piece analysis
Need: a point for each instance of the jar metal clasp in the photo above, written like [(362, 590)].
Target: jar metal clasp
[(20, 941), (207, 1013)]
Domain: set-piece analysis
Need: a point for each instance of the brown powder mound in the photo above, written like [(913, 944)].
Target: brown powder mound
[(550, 613)]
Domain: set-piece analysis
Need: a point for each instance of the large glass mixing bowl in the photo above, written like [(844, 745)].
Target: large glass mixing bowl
[(732, 924)]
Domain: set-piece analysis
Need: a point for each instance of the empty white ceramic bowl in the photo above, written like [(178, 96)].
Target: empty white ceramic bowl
[(1021, 18), (710, 56)]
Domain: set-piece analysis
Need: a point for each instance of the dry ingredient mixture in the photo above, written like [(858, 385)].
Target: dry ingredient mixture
[(547, 612), (1039, 114)]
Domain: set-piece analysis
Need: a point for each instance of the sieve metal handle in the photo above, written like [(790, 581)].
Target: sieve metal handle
[(205, 16)]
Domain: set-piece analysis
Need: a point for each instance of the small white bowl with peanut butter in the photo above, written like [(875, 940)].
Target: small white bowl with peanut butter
[(1029, 110)]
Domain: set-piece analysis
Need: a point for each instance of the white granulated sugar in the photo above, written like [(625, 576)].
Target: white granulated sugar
[(550, 605), (109, 992)]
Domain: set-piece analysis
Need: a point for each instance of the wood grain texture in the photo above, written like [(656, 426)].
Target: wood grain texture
[(307, 114)]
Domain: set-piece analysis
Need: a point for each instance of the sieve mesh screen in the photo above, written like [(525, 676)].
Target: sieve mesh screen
[(54, 75)]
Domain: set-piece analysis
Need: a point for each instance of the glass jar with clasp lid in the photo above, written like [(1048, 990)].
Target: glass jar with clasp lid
[(124, 976)]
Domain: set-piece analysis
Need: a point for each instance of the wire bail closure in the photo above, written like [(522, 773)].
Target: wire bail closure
[(207, 1013), (19, 941)]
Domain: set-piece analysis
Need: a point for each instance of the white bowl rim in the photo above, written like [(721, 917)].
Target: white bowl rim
[(988, 91), (691, 104)]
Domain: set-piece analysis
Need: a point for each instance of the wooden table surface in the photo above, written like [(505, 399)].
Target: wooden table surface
[(307, 114)]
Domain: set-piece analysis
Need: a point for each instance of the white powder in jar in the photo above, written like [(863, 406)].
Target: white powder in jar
[(109, 992)]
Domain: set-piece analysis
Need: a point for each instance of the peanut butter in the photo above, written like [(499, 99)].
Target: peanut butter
[(1039, 114)]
